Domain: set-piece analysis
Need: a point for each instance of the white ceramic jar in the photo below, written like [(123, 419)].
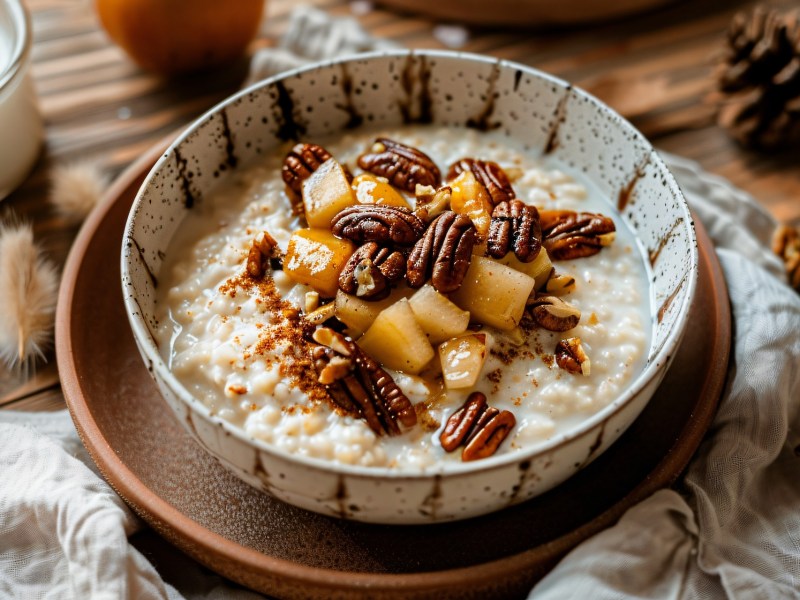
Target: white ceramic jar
[(21, 128)]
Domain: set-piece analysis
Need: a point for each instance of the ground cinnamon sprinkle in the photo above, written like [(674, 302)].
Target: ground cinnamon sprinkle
[(288, 330)]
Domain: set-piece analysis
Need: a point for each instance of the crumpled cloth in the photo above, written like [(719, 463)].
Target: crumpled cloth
[(729, 529)]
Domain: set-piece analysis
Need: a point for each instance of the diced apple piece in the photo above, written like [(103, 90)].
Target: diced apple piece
[(358, 314), (315, 257), (370, 189), (470, 198), (396, 340), (462, 359), (493, 293), (439, 318), (326, 193), (539, 268)]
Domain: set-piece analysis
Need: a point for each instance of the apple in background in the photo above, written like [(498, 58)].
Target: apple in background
[(173, 36)]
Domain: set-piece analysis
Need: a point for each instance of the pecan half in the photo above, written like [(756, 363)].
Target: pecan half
[(402, 165), (489, 173), (571, 356), (553, 314), (480, 428), (370, 270), (264, 254), (377, 223), (358, 385), (515, 226), (443, 253), (569, 234), (301, 161)]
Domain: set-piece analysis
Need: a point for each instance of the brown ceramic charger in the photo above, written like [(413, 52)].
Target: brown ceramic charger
[(287, 552)]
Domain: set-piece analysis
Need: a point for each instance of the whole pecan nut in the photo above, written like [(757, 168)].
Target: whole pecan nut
[(460, 423), (569, 234), (515, 226), (404, 166), (489, 437), (378, 223), (370, 270), (571, 356), (301, 161), (358, 385), (478, 427), (553, 313), (443, 253), (488, 173)]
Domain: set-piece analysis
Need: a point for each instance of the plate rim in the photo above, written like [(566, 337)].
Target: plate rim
[(176, 526)]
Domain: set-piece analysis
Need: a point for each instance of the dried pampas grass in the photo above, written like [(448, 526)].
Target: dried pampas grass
[(28, 293), (77, 188)]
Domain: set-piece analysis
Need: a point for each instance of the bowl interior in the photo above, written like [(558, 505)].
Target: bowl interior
[(547, 115)]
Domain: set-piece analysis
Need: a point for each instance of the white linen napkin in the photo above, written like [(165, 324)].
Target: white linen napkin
[(730, 529)]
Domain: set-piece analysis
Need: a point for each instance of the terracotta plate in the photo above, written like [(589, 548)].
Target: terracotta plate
[(288, 552)]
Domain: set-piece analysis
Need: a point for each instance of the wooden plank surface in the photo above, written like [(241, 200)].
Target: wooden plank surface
[(654, 68)]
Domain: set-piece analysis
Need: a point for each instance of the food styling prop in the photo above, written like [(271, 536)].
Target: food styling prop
[(187, 35), (758, 79), (20, 121)]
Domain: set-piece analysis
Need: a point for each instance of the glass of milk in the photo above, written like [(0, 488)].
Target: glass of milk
[(21, 129)]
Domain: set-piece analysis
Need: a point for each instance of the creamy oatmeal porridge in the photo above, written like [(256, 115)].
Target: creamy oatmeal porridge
[(244, 318)]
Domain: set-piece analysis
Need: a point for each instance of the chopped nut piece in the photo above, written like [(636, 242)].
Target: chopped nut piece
[(515, 226), (378, 223), (431, 202), (443, 253), (370, 270), (301, 161), (337, 368), (263, 251), (559, 284), (321, 314), (553, 314), (489, 174), (311, 301), (569, 234), (333, 340), (478, 427), (402, 165), (358, 385), (571, 357)]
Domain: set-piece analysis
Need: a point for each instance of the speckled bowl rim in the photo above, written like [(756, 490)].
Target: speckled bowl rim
[(655, 368), (21, 49)]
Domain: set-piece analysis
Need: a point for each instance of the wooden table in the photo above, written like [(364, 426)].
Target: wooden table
[(654, 68)]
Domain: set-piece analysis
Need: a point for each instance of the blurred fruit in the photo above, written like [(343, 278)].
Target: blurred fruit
[(172, 36)]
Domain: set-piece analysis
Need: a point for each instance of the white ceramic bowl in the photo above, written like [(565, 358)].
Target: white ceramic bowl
[(550, 116)]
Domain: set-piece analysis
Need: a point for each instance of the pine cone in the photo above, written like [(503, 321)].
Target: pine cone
[(759, 79)]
